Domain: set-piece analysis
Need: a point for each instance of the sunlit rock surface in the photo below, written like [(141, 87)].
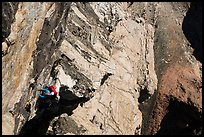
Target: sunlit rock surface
[(124, 67)]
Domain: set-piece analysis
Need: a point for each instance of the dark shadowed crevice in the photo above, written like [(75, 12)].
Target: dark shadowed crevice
[(144, 95), (146, 106), (192, 28), (47, 110), (181, 119), (105, 77)]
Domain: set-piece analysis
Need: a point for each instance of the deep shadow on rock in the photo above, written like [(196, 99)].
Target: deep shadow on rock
[(181, 119), (192, 28), (46, 112)]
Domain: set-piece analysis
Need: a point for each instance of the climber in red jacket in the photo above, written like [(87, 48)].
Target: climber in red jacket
[(50, 91), (47, 99)]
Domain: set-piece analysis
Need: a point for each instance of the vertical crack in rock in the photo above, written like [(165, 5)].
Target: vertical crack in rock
[(146, 107)]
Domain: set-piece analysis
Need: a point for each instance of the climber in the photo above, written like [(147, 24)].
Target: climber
[(51, 91), (48, 97)]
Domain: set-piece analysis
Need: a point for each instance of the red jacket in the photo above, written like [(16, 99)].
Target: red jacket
[(53, 89)]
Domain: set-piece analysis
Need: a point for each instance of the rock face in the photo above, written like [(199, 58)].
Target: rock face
[(178, 106), (119, 67)]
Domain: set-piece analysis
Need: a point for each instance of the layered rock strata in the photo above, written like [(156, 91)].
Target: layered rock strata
[(132, 63)]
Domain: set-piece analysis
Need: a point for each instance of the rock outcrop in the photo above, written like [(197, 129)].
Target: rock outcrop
[(178, 106), (120, 67)]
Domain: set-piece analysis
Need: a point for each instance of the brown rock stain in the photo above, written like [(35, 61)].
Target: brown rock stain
[(175, 80)]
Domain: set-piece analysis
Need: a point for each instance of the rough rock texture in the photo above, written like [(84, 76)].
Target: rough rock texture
[(121, 68), (180, 83)]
